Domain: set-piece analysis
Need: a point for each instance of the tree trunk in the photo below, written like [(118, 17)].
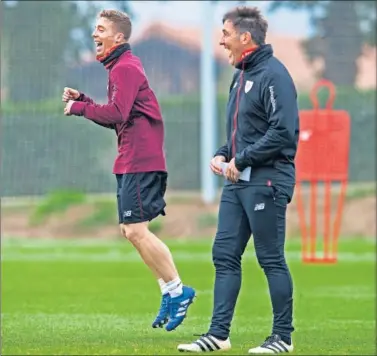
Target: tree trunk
[(342, 43)]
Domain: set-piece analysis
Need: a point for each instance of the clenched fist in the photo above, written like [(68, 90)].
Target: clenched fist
[(67, 109), (70, 94)]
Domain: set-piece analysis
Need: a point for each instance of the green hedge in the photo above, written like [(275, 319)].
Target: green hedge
[(44, 151)]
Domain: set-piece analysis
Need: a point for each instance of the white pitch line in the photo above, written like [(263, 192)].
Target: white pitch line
[(122, 322), (357, 293), (114, 255), (121, 242)]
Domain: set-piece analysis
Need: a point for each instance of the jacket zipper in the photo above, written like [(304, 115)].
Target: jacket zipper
[(235, 117)]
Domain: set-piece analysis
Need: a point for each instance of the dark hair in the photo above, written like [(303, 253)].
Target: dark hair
[(121, 20), (248, 19)]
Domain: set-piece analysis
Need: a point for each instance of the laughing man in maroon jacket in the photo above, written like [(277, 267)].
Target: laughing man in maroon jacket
[(140, 166)]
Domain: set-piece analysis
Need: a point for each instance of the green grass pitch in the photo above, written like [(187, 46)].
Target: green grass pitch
[(81, 297)]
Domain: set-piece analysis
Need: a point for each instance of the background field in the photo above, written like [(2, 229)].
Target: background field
[(95, 297)]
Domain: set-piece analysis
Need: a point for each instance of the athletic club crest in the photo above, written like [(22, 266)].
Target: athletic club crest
[(248, 85)]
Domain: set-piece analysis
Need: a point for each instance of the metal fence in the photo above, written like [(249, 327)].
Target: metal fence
[(46, 46)]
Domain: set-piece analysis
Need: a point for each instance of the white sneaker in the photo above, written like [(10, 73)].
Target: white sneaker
[(272, 345), (206, 343)]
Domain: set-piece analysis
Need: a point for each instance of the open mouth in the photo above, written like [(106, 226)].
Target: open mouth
[(229, 52), (230, 55), (99, 46)]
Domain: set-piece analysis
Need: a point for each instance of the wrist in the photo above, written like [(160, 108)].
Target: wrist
[(77, 108)]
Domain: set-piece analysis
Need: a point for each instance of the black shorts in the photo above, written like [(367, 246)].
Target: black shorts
[(141, 196)]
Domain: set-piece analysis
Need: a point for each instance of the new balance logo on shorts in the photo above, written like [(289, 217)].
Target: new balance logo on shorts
[(127, 214)]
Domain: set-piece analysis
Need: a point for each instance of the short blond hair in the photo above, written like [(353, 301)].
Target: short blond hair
[(121, 20)]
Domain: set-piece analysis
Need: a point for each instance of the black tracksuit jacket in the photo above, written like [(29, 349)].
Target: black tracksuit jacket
[(262, 120)]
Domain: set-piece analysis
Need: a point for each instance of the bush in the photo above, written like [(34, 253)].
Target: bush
[(104, 213), (156, 225), (54, 203)]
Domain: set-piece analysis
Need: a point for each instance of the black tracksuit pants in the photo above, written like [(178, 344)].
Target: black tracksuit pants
[(261, 211)]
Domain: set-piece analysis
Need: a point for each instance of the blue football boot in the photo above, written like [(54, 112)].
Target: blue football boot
[(178, 307), (163, 313)]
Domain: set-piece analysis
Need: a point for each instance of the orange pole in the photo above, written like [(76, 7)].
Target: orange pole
[(338, 219), (327, 213), (313, 220)]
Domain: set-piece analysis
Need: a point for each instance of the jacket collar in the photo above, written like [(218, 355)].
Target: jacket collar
[(252, 59), (113, 54)]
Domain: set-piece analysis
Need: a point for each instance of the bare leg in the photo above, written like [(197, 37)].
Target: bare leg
[(155, 254)]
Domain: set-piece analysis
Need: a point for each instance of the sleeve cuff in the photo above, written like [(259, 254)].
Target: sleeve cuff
[(238, 162), (77, 108), (220, 154)]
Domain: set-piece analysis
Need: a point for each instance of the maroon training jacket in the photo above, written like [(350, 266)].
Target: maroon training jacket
[(133, 111)]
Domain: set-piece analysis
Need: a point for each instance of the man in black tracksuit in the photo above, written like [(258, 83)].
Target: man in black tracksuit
[(262, 133)]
